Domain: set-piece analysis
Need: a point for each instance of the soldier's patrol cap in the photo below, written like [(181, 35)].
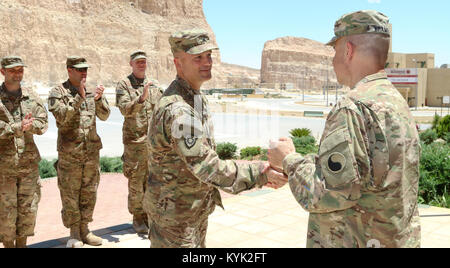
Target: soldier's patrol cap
[(76, 62), (12, 61), (193, 41), (139, 54), (361, 22)]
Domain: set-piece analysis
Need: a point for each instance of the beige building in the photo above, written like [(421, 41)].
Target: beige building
[(411, 83), (417, 79), (438, 85)]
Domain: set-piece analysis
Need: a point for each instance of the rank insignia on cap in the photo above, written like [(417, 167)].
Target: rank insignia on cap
[(190, 142), (336, 162)]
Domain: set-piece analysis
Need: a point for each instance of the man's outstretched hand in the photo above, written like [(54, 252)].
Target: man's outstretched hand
[(275, 179), (278, 151)]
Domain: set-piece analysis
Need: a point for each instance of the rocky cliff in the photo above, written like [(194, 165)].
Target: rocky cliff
[(300, 62), (45, 32)]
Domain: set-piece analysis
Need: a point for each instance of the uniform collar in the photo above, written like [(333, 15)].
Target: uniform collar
[(4, 92), (186, 88), (70, 86), (135, 81), (73, 90), (373, 77)]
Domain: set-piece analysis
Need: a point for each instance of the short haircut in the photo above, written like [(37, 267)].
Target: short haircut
[(372, 45)]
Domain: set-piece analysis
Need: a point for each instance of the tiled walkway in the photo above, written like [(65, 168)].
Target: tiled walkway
[(261, 219)]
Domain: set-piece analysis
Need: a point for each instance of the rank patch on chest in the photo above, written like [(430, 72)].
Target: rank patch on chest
[(190, 142), (336, 162)]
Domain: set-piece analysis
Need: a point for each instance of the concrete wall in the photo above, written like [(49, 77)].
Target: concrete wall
[(426, 58), (438, 85), (396, 60), (402, 60)]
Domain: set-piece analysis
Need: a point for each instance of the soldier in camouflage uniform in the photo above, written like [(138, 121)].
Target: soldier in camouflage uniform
[(361, 189), (78, 167), (185, 169), (22, 115), (136, 98)]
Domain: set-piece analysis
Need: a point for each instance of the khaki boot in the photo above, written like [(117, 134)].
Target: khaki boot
[(139, 225), (75, 237), (21, 242), (9, 244), (89, 238)]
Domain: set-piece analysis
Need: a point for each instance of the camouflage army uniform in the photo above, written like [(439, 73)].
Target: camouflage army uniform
[(186, 171), (78, 164), (20, 188), (137, 117), (361, 189)]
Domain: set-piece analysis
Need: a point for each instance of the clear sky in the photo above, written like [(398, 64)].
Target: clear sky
[(243, 26)]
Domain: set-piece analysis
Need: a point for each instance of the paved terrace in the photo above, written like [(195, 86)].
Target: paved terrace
[(264, 218)]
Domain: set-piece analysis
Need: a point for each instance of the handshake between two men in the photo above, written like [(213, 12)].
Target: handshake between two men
[(274, 168)]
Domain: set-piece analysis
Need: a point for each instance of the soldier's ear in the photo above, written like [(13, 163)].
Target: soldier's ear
[(3, 71), (177, 62), (349, 50)]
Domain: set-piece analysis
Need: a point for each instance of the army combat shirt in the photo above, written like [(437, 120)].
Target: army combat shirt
[(14, 143), (361, 189), (186, 170), (76, 119)]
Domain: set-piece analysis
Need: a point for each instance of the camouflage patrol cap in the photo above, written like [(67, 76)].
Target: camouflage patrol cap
[(12, 61), (361, 22), (139, 54), (76, 62), (193, 41)]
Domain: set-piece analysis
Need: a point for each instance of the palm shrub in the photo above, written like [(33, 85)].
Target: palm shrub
[(226, 150), (300, 132)]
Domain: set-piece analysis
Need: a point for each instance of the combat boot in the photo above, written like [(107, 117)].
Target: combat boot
[(21, 242), (75, 237), (8, 244), (139, 225), (89, 238)]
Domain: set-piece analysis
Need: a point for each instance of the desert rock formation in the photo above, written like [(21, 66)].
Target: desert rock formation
[(299, 62), (45, 32)]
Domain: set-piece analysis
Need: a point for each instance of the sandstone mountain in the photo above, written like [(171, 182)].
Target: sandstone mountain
[(301, 62), (45, 32)]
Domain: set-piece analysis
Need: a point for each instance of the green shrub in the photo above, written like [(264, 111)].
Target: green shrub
[(111, 164), (305, 145), (436, 120), (46, 169), (300, 132), (226, 150), (428, 136), (264, 155), (443, 127), (435, 175), (107, 165), (447, 137), (250, 152)]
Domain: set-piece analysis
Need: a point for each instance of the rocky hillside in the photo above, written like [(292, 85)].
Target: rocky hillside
[(302, 62), (45, 32)]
